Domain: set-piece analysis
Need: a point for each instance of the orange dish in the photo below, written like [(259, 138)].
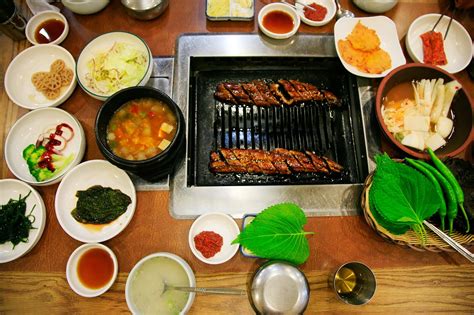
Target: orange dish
[(361, 49)]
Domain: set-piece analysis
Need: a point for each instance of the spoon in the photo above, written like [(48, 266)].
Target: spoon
[(340, 13), (228, 291)]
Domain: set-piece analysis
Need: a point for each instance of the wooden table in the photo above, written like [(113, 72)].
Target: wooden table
[(408, 281)]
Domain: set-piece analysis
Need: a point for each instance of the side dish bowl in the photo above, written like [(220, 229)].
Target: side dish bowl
[(457, 45), (462, 109), (330, 6), (18, 83), (85, 6), (12, 189), (41, 17), (103, 44), (153, 168), (272, 7), (26, 131)]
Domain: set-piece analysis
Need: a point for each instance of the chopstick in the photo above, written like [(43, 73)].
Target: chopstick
[(295, 7), (306, 6), (449, 23)]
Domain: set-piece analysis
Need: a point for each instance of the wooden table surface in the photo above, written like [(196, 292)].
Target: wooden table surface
[(408, 281)]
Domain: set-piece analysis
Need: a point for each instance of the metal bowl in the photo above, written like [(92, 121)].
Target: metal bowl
[(145, 9), (279, 287)]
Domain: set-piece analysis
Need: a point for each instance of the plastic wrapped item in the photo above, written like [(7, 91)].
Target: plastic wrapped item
[(41, 5), (230, 10)]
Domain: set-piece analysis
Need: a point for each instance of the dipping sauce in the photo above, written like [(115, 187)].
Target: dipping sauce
[(278, 22), (141, 129), (49, 31), (95, 268), (208, 243), (147, 287), (317, 15)]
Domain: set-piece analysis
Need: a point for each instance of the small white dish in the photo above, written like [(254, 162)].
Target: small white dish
[(457, 46), (136, 269), (38, 58), (73, 278), (386, 31), (104, 43), (375, 6), (26, 131), (41, 17), (279, 7), (85, 6), (12, 189), (221, 224), (81, 177), (330, 5)]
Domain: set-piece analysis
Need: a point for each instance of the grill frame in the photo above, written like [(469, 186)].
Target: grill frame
[(316, 200)]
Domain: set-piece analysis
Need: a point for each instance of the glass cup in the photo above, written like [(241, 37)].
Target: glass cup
[(354, 283), (12, 23)]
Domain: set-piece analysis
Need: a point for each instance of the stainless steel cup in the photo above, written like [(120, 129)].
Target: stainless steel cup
[(354, 283), (12, 23)]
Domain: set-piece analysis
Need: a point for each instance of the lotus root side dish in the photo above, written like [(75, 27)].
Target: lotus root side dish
[(361, 49), (50, 83)]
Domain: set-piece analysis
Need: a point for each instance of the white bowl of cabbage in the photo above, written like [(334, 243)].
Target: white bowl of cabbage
[(422, 106), (113, 61)]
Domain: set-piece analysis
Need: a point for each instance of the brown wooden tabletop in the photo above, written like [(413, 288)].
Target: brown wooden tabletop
[(408, 281)]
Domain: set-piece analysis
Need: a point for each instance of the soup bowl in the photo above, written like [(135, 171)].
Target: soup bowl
[(154, 167), (461, 109)]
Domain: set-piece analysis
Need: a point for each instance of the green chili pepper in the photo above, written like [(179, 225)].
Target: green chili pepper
[(442, 208), (454, 183), (452, 209)]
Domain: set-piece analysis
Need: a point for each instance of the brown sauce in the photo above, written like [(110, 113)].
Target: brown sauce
[(49, 31), (278, 22), (400, 92), (95, 268)]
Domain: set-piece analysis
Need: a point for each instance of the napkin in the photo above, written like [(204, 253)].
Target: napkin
[(37, 6)]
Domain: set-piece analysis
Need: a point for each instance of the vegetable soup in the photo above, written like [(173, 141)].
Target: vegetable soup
[(141, 129)]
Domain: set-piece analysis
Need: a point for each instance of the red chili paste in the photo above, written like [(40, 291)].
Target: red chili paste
[(317, 15), (433, 48), (208, 243)]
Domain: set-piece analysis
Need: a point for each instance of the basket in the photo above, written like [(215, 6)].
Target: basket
[(433, 243)]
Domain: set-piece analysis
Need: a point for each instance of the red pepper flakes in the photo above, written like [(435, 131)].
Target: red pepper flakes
[(317, 15), (208, 243)]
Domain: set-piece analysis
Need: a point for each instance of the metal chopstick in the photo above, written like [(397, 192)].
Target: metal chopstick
[(295, 7), (458, 247), (449, 24), (306, 6), (437, 22)]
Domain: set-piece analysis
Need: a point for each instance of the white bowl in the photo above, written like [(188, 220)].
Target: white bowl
[(375, 6), (18, 83), (386, 31), (103, 43), (179, 260), (85, 6), (11, 189), (81, 177), (39, 18), (330, 5), (26, 131), (457, 46), (279, 7), (73, 278), (221, 224)]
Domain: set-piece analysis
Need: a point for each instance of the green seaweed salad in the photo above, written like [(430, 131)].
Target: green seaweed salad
[(100, 205), (15, 224)]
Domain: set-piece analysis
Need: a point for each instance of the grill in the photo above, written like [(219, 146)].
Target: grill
[(334, 132)]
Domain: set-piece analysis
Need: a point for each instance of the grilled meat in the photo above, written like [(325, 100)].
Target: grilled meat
[(283, 92), (277, 161)]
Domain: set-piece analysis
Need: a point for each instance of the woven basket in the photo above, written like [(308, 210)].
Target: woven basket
[(434, 243)]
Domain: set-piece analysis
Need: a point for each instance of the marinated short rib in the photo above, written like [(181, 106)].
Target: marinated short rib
[(278, 161), (331, 98), (316, 95), (254, 94), (238, 93), (264, 90), (305, 94), (291, 91), (223, 95), (275, 89)]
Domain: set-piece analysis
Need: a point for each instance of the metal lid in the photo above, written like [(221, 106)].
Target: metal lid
[(279, 288)]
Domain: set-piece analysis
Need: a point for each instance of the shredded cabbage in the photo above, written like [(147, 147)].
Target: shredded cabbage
[(120, 67)]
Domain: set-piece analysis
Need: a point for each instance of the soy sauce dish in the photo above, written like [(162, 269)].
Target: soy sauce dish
[(91, 269), (278, 21)]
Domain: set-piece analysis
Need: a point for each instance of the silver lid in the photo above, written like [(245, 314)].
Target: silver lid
[(279, 288)]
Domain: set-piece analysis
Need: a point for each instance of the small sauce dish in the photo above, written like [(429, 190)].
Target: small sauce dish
[(91, 269), (47, 27), (278, 20)]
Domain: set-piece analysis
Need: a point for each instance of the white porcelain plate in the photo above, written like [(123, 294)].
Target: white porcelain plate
[(12, 189), (386, 31), (82, 177), (221, 224)]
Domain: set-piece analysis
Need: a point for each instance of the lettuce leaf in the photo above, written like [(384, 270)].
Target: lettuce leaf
[(277, 233)]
